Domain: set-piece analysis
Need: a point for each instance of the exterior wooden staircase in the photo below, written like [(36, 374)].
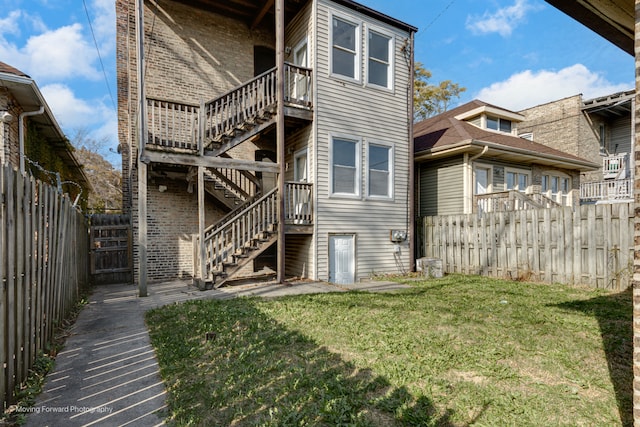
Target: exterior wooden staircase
[(239, 238), (212, 129)]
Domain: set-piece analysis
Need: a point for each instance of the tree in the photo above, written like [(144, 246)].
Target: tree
[(104, 178), (429, 99)]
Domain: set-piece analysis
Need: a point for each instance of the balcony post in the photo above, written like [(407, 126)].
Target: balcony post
[(280, 136)]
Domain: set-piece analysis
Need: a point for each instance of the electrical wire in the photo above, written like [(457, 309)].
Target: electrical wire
[(95, 42)]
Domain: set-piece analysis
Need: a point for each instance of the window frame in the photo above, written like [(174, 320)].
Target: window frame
[(357, 72), (489, 169), (367, 168), (518, 172), (498, 121), (391, 52), (358, 167)]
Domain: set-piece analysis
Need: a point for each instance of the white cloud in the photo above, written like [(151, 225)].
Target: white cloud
[(530, 88), (62, 53), (10, 25), (503, 21), (73, 113)]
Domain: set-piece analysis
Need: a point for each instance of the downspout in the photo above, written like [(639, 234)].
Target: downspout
[(21, 133), (411, 220), (469, 179)]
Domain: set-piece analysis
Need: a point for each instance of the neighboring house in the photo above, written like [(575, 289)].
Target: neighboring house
[(29, 133), (599, 130), (470, 159), (288, 149)]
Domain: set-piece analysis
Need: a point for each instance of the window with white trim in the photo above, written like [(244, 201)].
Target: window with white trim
[(517, 179), (482, 179), (556, 182), (345, 48), (345, 166), (379, 171), (499, 124), (379, 61)]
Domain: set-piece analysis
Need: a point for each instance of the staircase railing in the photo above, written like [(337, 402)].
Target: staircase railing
[(172, 124), (512, 200), (225, 241)]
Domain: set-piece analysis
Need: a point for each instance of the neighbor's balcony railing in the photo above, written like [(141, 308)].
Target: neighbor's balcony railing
[(615, 166), (619, 189)]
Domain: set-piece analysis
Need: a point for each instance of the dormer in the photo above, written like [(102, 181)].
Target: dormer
[(493, 119)]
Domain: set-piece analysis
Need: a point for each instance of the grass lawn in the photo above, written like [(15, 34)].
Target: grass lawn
[(450, 352)]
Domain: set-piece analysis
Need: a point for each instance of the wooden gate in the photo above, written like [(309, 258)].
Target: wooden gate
[(111, 260)]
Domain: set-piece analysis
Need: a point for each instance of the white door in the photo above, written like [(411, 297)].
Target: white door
[(301, 83), (302, 197), (342, 259)]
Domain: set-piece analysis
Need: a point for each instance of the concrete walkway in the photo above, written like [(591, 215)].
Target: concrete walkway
[(108, 374)]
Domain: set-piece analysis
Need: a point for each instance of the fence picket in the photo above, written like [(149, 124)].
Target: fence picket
[(36, 256), (591, 245)]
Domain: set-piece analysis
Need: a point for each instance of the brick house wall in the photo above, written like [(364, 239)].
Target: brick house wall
[(563, 125), (191, 55), (10, 149)]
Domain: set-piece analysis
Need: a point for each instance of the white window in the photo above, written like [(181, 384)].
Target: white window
[(496, 123), (556, 182), (345, 166), (345, 47), (379, 171), (517, 179), (379, 62), (300, 166), (482, 179)]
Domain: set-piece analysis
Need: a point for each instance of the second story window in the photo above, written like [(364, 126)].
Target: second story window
[(496, 123), (344, 54), (379, 61), (380, 171)]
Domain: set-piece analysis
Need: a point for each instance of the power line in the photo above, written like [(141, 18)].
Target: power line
[(436, 18), (95, 42)]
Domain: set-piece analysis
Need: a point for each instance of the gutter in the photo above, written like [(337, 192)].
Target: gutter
[(21, 132)]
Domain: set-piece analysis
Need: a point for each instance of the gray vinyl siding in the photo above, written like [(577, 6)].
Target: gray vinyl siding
[(348, 108), (300, 249), (621, 138), (441, 188)]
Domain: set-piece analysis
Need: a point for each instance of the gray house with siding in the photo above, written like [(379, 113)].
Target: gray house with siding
[(276, 136), (471, 159)]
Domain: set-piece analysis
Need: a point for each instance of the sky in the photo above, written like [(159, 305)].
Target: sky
[(512, 53)]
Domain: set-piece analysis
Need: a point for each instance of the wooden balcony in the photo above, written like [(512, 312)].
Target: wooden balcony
[(215, 126), (615, 166)]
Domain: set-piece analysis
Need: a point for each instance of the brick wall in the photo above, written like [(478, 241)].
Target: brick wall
[(191, 55), (10, 148), (562, 125)]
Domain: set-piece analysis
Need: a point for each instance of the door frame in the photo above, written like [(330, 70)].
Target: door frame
[(354, 239)]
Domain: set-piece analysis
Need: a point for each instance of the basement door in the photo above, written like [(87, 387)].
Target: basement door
[(342, 259)]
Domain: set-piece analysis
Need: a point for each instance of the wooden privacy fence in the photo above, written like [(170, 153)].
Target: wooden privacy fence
[(590, 245), (44, 247)]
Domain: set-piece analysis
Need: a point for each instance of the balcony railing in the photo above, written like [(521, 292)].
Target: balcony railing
[(172, 124), (615, 166), (299, 203), (619, 189), (513, 200)]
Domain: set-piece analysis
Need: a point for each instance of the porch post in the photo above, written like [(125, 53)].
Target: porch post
[(636, 233), (142, 166), (280, 137)]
